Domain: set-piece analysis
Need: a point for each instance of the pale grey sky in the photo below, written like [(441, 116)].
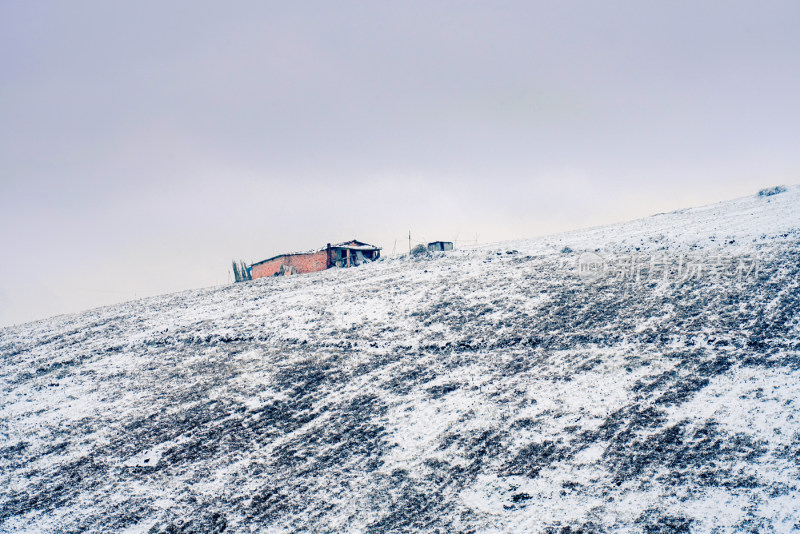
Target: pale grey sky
[(143, 145)]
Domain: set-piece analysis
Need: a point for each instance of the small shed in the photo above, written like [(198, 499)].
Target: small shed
[(440, 246), (352, 253)]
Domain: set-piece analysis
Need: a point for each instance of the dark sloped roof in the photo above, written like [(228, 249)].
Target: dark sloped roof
[(356, 245)]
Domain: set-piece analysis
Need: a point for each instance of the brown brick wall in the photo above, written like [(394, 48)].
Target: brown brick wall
[(302, 263)]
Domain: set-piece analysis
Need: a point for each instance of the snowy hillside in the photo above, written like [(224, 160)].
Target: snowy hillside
[(641, 377)]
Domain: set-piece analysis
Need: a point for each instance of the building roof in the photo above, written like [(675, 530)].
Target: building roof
[(354, 244)]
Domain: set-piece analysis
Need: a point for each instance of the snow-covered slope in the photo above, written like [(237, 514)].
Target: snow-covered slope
[(502, 389)]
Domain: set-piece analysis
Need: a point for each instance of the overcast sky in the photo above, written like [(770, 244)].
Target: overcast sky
[(143, 145)]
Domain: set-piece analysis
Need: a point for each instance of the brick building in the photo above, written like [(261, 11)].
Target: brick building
[(346, 254)]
